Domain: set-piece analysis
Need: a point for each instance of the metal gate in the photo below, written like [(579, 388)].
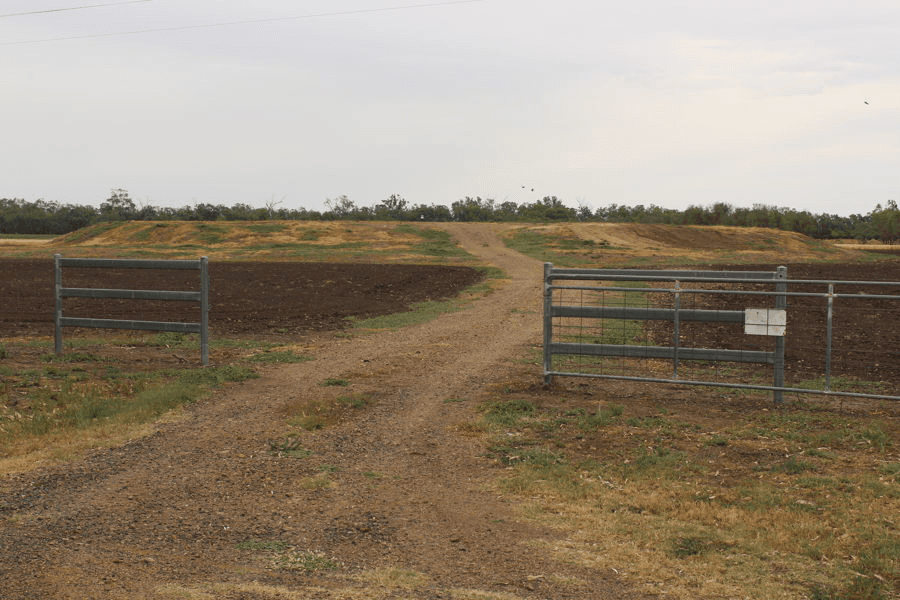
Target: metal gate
[(202, 297), (709, 328)]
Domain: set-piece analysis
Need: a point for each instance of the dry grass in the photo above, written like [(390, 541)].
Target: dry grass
[(683, 496)]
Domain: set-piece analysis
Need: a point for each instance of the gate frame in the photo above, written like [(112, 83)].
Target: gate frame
[(202, 265), (676, 315)]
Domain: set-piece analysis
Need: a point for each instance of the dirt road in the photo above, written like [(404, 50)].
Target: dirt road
[(393, 502)]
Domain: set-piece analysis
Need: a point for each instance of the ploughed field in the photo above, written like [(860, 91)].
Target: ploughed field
[(278, 298), (254, 298), (866, 332)]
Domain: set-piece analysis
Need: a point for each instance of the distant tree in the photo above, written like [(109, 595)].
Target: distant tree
[(886, 222), (549, 208), (392, 209), (340, 208), (118, 207), (584, 212), (433, 213), (473, 209)]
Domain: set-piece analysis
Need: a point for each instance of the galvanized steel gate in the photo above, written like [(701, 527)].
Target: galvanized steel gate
[(202, 297), (588, 301)]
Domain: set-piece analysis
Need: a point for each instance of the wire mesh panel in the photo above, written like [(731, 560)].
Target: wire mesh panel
[(659, 326), (742, 329)]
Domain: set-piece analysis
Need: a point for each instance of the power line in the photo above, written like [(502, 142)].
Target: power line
[(243, 22), (53, 10)]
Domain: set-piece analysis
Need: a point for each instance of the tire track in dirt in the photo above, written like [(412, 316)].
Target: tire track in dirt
[(400, 486)]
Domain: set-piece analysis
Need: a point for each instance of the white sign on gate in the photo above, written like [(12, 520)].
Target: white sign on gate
[(765, 321)]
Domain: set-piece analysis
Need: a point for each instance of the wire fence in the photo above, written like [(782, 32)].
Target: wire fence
[(740, 329)]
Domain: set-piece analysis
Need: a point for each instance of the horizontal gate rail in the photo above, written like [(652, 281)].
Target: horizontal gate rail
[(202, 297), (674, 315)]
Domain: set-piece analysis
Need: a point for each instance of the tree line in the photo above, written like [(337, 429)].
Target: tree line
[(19, 216)]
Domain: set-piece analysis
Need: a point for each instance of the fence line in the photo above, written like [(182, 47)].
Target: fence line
[(566, 336), (202, 297)]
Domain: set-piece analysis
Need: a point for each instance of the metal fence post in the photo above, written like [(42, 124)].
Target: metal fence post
[(828, 334), (548, 324), (204, 311), (57, 314), (676, 326), (780, 304)]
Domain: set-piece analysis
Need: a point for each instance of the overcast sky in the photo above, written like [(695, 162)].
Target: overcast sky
[(634, 102)]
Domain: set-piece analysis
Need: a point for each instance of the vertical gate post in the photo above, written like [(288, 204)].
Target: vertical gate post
[(828, 331), (57, 314), (204, 311), (676, 326), (548, 324), (780, 304)]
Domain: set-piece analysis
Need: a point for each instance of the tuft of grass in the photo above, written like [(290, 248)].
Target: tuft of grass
[(509, 412), (358, 400), (792, 466), (603, 417), (335, 382), (214, 376), (290, 446), (694, 545), (174, 339)]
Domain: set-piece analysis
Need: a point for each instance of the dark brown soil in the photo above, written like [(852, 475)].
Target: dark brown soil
[(245, 297), (865, 338)]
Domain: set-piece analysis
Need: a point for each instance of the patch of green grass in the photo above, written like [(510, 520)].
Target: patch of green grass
[(686, 546), (75, 407), (311, 235), (358, 400), (572, 252), (75, 357), (658, 459), (717, 440), (211, 234), (792, 466), (335, 382), (860, 588), (603, 417), (27, 236), (266, 227), (508, 413), (173, 339), (92, 231), (435, 242), (214, 376), (421, 312)]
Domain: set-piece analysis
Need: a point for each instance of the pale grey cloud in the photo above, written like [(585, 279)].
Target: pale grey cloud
[(671, 103)]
